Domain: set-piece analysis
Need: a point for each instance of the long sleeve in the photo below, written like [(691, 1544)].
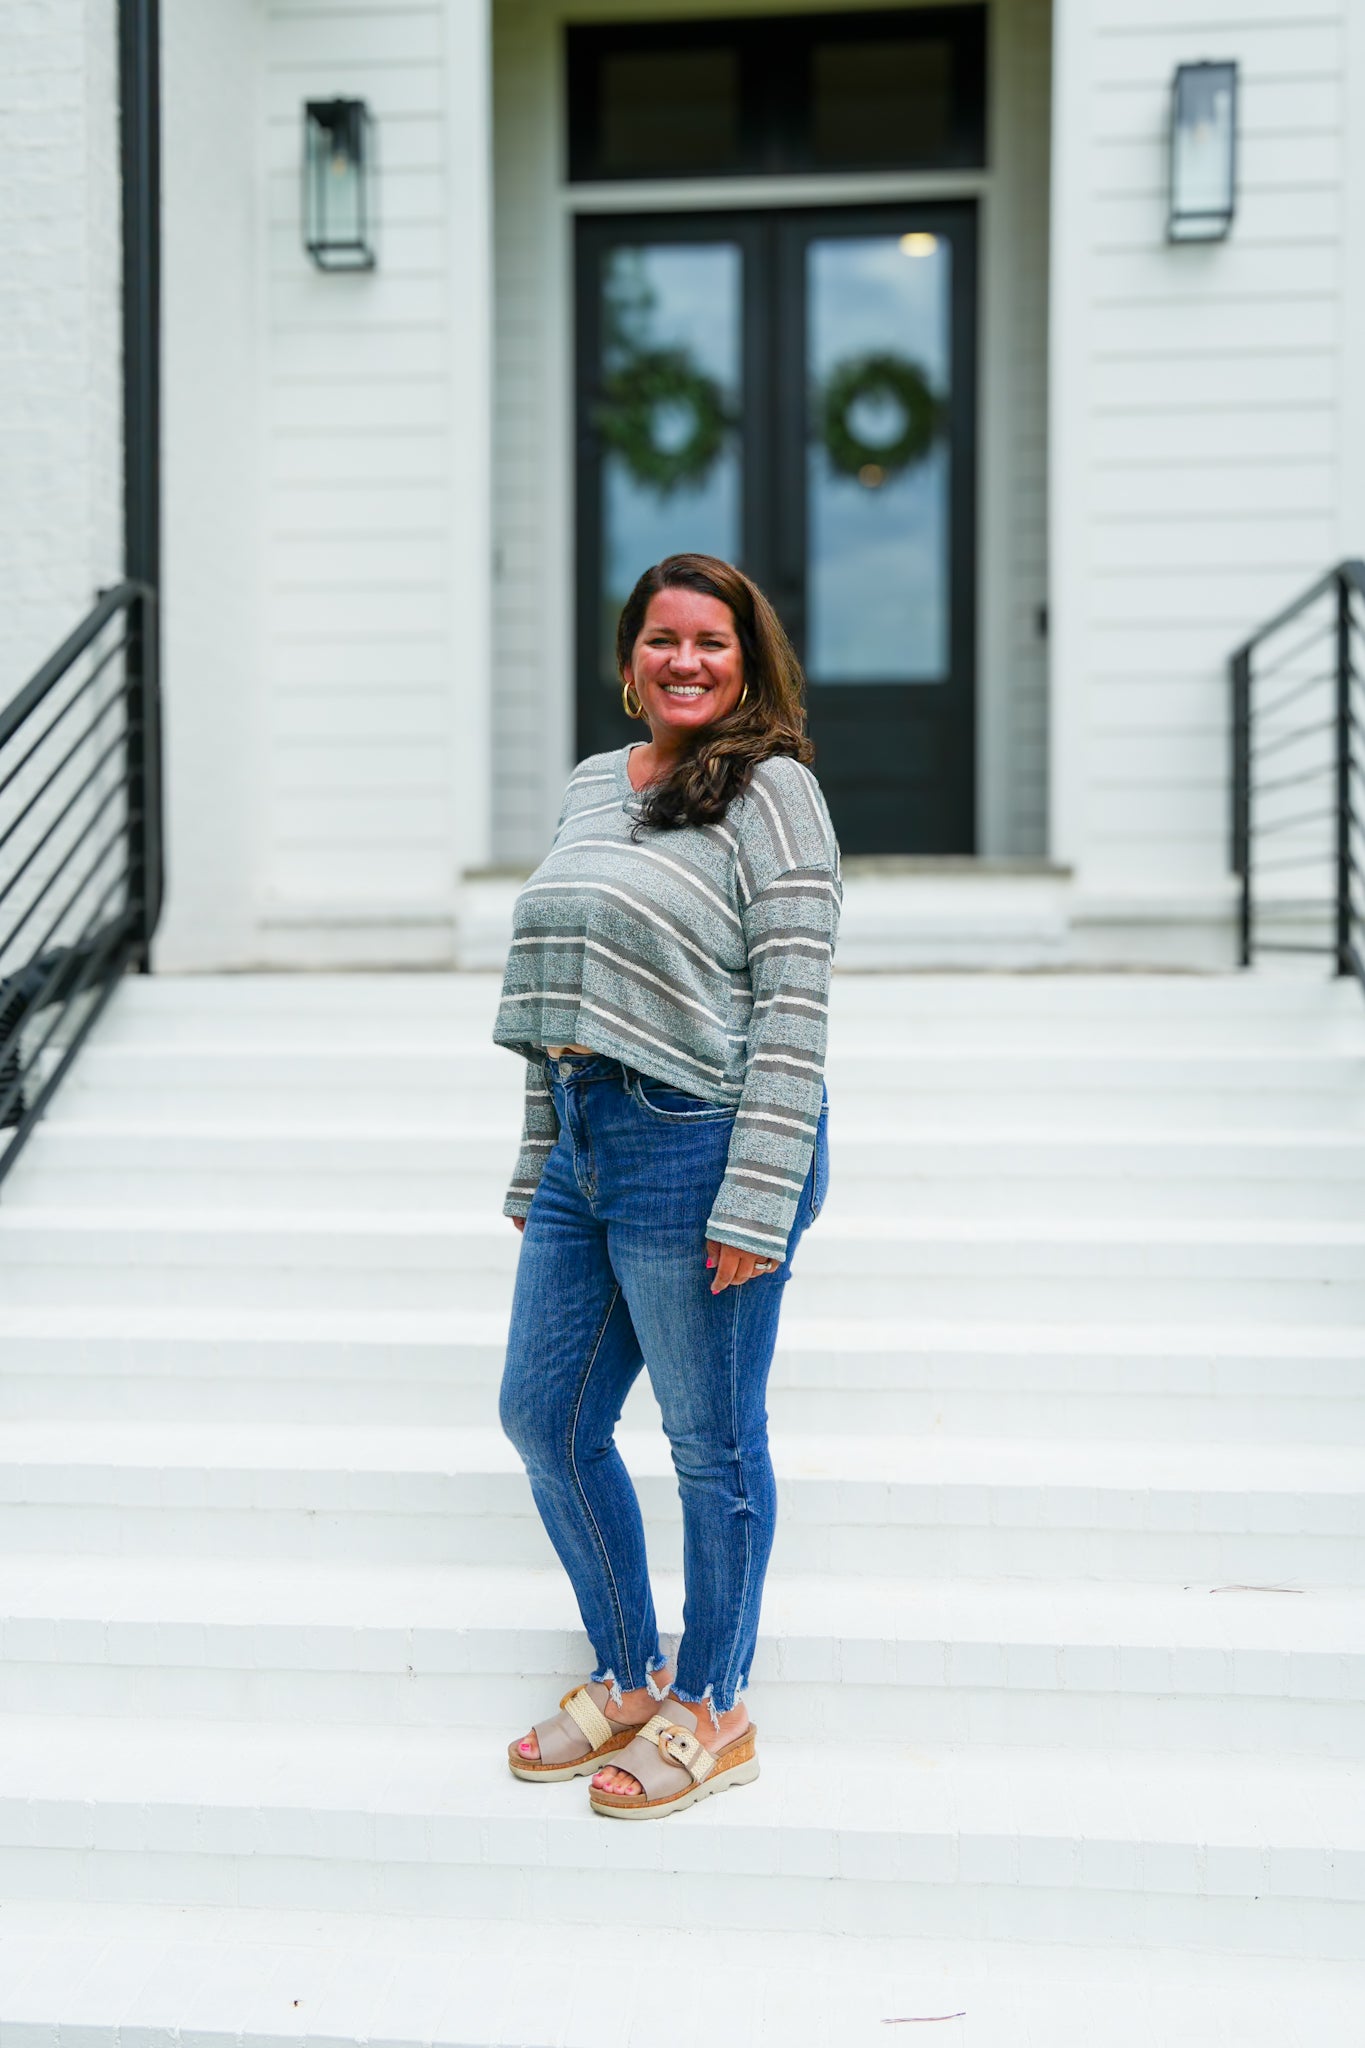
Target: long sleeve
[(790, 918), (539, 1130), (699, 957)]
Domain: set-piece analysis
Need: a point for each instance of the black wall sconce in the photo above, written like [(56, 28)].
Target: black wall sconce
[(1203, 194), (337, 205)]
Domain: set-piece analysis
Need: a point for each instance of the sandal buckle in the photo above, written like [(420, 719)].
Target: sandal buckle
[(685, 1749)]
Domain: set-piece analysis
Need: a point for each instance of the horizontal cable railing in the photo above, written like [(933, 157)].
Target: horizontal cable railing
[(80, 846), (1298, 776)]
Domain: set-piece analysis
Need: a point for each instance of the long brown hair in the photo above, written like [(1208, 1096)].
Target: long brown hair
[(716, 768)]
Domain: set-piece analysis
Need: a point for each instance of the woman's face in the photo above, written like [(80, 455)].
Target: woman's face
[(686, 666)]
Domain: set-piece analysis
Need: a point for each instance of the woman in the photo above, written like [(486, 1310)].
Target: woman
[(667, 986)]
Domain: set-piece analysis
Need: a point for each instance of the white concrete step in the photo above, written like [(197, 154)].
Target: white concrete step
[(1069, 1411), (880, 1506), (106, 1976), (1229, 1382), (933, 1174), (861, 1027), (1120, 1846), (999, 1086), (1238, 1000), (867, 1018), (1231, 1669), (851, 1265), (329, 994)]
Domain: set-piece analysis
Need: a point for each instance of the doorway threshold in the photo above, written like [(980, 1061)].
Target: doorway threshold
[(913, 911), (933, 864)]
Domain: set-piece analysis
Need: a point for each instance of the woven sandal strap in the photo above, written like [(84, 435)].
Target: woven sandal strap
[(679, 1746), (581, 1708)]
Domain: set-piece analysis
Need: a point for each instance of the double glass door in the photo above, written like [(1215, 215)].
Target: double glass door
[(795, 391)]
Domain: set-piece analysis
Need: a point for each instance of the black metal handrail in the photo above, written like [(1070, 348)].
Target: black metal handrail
[(80, 845), (1298, 776)]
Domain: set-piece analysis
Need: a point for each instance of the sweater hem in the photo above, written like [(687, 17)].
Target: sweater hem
[(674, 1073)]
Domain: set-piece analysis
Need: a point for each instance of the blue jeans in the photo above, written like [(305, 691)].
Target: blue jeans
[(613, 1276)]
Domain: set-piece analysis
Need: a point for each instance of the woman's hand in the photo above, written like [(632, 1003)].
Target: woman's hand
[(734, 1267), (519, 1224)]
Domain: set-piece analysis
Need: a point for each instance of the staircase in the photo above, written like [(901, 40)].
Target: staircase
[(1062, 1681)]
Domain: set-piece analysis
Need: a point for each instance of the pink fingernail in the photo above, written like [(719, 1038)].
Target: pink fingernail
[(709, 1264)]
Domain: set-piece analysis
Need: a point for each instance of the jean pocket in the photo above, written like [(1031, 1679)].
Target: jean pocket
[(820, 1165), (674, 1105)]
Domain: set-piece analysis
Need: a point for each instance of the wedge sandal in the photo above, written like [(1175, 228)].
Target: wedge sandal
[(675, 1769), (573, 1742)]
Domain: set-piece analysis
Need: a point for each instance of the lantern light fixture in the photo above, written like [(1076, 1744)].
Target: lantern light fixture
[(337, 163), (1203, 174)]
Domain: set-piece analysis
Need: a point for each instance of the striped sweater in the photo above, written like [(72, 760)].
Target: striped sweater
[(700, 957)]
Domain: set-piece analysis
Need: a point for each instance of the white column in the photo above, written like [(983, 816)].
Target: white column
[(212, 493), (470, 271), (1068, 416)]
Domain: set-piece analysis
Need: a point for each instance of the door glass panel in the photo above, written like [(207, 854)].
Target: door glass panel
[(668, 413), (877, 500)]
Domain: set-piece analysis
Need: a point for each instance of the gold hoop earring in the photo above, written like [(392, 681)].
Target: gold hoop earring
[(639, 710), (743, 696)]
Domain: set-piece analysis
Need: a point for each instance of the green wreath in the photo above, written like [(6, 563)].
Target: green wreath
[(879, 376), (631, 397)]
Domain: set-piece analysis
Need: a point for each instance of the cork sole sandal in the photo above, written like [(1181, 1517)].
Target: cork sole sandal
[(676, 1770), (574, 1742)]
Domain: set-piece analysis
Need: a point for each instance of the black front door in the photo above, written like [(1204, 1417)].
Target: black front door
[(795, 391)]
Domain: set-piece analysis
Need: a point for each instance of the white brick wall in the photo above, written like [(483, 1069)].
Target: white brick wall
[(60, 345)]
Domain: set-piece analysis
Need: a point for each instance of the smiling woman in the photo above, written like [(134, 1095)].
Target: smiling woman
[(684, 670), (668, 987), (709, 640)]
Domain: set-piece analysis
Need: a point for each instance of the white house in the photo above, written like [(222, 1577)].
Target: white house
[(1016, 346), (395, 513)]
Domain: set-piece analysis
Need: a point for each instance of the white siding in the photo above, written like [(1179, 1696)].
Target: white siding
[(327, 467), (532, 510), (363, 721), (1197, 455)]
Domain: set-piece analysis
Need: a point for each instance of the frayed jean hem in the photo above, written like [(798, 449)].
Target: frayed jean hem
[(715, 1708), (607, 1676)]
